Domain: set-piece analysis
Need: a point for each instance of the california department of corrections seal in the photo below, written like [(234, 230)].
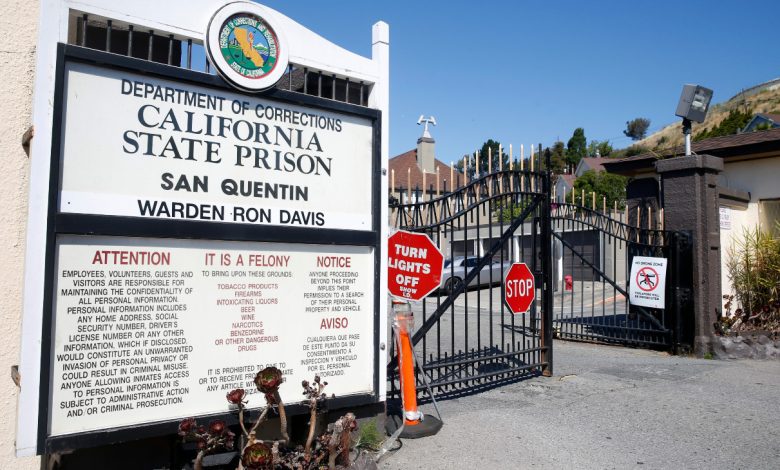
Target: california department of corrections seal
[(245, 48), (249, 46)]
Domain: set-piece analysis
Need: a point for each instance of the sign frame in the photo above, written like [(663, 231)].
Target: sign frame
[(62, 223)]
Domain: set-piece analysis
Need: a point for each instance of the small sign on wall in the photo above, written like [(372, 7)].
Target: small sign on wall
[(725, 218), (648, 282)]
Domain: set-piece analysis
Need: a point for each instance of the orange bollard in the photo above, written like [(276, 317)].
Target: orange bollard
[(405, 320), (413, 424)]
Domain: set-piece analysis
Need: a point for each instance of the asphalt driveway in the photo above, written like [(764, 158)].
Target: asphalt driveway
[(612, 407)]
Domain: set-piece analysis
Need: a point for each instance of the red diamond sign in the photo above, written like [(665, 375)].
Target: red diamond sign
[(414, 265), (519, 288)]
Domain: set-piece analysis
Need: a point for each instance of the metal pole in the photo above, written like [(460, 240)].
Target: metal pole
[(687, 132), (84, 24), (547, 283)]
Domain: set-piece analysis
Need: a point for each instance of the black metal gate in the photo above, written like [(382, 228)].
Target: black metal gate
[(468, 338), (593, 252), (581, 258)]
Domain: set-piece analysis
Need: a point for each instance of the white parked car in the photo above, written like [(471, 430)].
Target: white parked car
[(456, 270)]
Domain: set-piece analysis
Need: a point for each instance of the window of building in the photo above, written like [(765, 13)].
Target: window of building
[(769, 216), (118, 37)]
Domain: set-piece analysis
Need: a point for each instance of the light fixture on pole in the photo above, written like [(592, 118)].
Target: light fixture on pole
[(693, 106)]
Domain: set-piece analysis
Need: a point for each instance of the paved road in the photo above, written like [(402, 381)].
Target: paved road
[(479, 319), (612, 407), (587, 299)]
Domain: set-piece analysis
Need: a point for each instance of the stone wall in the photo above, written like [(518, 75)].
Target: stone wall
[(747, 346)]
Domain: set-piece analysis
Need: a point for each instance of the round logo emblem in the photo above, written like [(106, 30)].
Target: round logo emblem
[(245, 48), (249, 46)]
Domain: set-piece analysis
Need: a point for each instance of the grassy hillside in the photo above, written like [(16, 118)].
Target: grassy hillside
[(767, 101)]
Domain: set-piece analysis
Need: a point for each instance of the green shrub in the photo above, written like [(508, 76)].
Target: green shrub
[(732, 124), (753, 266), (506, 211), (604, 184), (369, 437)]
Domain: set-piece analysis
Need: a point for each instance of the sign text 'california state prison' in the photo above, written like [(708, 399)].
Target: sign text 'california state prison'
[(165, 150)]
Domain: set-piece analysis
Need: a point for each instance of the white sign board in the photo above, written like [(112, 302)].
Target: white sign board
[(140, 146), (150, 330), (648, 282), (725, 218)]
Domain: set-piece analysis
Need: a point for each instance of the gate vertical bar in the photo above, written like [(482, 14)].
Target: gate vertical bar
[(672, 300), (680, 289), (547, 283)]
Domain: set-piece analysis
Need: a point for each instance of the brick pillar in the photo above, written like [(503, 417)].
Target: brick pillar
[(690, 200)]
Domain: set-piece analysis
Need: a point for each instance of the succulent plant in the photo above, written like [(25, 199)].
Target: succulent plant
[(207, 439), (202, 443), (257, 456), (236, 397), (268, 380), (186, 426), (217, 427)]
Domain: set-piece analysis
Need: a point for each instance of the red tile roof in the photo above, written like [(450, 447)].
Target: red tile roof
[(408, 160)]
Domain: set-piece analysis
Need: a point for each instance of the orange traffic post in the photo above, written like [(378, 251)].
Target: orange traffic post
[(414, 423), (404, 319)]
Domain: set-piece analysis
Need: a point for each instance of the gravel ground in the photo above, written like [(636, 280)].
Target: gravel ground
[(612, 407)]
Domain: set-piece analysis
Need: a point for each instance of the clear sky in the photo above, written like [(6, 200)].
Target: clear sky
[(531, 72)]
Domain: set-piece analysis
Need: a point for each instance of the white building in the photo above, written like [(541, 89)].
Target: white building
[(749, 194), (166, 34)]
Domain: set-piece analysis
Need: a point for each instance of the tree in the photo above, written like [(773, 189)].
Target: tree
[(635, 150), (604, 184), (599, 148), (507, 210), (493, 146), (557, 157), (459, 166), (637, 128), (576, 148), (734, 122)]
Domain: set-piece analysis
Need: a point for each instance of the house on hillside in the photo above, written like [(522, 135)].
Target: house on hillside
[(748, 191), (762, 121), (563, 186), (590, 163), (565, 183)]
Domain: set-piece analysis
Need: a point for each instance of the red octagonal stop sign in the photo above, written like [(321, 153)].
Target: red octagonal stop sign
[(414, 265), (519, 288)]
